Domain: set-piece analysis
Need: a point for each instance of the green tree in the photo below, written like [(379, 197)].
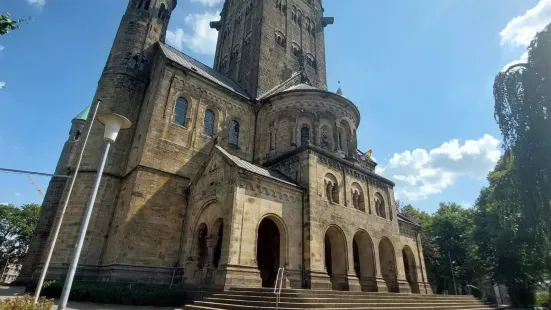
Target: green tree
[(7, 23), (522, 110), (451, 229), (505, 254), (522, 186), (16, 230)]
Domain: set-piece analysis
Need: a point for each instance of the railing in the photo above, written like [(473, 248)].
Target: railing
[(278, 285)]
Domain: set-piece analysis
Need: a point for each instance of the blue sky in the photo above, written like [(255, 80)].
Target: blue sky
[(420, 71)]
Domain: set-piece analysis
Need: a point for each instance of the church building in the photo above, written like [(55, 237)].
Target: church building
[(228, 173)]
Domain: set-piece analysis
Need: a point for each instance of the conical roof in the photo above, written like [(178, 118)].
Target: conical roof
[(84, 114)]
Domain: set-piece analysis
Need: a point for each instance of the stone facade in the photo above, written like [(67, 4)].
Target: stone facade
[(229, 174)]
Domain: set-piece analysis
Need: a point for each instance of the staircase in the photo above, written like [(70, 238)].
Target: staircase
[(264, 298)]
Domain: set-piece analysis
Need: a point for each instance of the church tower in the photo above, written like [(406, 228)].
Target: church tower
[(262, 43), (121, 88)]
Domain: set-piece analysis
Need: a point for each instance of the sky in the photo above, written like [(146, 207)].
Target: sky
[(421, 73)]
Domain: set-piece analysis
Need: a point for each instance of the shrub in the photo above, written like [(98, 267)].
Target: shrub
[(120, 293), (543, 299), (26, 302)]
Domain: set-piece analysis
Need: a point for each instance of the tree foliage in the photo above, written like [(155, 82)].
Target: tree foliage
[(16, 230), (7, 23), (515, 244), (522, 110)]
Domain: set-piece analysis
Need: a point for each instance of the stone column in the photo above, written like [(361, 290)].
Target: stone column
[(380, 283), (403, 284), (353, 281)]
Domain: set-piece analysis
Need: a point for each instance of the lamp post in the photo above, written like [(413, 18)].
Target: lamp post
[(65, 204), (113, 124)]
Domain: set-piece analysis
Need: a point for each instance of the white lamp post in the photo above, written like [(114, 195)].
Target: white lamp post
[(113, 124)]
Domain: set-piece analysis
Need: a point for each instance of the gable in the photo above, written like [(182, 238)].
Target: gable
[(213, 174)]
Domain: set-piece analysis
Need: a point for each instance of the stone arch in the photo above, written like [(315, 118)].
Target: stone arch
[(364, 260), (387, 261), (217, 236), (271, 248), (335, 257), (331, 186), (357, 196), (380, 206), (410, 268)]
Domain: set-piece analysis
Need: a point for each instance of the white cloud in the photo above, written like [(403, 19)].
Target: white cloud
[(2, 48), (520, 31), (209, 3), (37, 3), (17, 194), (4, 203), (2, 85), (420, 173), (201, 39)]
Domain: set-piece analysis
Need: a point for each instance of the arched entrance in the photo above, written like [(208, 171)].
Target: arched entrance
[(411, 269), (364, 261), (201, 249), (388, 264), (335, 258), (268, 251), (218, 246)]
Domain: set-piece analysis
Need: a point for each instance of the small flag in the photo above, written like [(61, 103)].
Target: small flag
[(369, 153)]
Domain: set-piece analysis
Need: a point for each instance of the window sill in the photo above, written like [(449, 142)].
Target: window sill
[(178, 125)]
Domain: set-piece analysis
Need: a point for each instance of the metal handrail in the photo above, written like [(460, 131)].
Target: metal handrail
[(278, 285)]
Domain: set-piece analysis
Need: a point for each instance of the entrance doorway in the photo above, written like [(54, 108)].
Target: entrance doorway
[(267, 251), (335, 258), (218, 247), (364, 261), (411, 269), (201, 246)]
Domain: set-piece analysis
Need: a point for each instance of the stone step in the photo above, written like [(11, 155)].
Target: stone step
[(224, 306), (339, 304), (337, 294), (251, 290), (337, 298)]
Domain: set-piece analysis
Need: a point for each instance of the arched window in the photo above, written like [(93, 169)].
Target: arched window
[(380, 206), (180, 112), (358, 201), (147, 5), (139, 4), (208, 125), (304, 136), (162, 11), (234, 133), (331, 188)]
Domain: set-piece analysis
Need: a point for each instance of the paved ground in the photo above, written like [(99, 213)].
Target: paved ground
[(8, 291)]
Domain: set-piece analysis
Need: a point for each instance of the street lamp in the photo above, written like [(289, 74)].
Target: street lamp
[(113, 124)]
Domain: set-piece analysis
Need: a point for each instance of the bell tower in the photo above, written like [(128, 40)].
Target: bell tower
[(121, 88), (262, 43)]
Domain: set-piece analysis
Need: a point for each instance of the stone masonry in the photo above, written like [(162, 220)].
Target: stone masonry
[(229, 174)]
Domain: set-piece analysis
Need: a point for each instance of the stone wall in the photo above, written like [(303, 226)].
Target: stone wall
[(282, 117)]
